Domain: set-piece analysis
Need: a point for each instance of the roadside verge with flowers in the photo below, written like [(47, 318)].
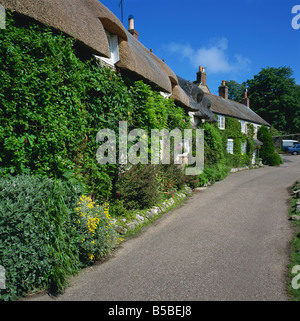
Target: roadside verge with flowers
[(48, 232)]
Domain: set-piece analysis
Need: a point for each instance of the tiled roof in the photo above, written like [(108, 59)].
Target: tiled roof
[(232, 108)]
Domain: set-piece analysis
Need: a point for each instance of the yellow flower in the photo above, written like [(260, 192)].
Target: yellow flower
[(91, 256)]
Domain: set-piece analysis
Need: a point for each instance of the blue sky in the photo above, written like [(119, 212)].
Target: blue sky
[(233, 39)]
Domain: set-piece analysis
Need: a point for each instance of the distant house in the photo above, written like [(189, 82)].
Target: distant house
[(223, 107)]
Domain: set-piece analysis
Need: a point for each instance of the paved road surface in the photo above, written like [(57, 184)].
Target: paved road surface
[(229, 242)]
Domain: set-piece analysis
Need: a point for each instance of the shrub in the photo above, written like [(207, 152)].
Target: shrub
[(171, 177), (117, 208), (267, 150), (37, 235), (192, 181), (217, 172), (96, 233), (275, 160), (137, 187)]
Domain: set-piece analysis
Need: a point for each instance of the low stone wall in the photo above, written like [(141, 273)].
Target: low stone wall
[(296, 193), (141, 217)]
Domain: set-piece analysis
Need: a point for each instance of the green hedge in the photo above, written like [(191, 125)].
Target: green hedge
[(48, 231), (37, 243)]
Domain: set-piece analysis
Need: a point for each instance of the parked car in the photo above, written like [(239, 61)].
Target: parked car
[(294, 150), (286, 143)]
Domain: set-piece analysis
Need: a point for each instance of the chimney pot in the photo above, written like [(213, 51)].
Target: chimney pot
[(131, 22), (131, 27), (201, 76), (223, 90)]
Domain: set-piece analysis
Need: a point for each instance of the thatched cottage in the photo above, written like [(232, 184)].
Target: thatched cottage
[(102, 34)]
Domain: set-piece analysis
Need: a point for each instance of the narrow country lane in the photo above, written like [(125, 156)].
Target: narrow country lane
[(228, 242)]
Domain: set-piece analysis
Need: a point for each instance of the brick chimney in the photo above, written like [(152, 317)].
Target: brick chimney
[(223, 90), (246, 100), (201, 76), (131, 27)]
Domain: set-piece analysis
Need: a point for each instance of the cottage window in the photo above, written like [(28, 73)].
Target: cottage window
[(114, 49), (244, 148), (243, 126), (230, 146), (221, 122)]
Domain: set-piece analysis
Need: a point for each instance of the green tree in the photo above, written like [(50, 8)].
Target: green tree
[(267, 151), (235, 90), (275, 97)]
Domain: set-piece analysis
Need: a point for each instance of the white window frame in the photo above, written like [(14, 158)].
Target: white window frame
[(243, 126), (230, 146), (221, 121), (165, 95), (114, 49), (244, 147)]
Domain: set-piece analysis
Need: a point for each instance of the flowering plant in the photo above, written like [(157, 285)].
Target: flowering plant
[(95, 227)]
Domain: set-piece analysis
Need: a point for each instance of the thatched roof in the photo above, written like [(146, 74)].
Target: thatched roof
[(86, 21), (232, 108), (200, 103), (72, 17), (138, 59)]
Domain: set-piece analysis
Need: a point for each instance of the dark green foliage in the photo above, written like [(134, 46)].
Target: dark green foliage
[(51, 107), (150, 110), (37, 235), (235, 90), (216, 172), (267, 151), (171, 177), (137, 187), (213, 144), (216, 166)]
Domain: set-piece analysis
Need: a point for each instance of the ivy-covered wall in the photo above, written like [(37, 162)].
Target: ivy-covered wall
[(53, 104)]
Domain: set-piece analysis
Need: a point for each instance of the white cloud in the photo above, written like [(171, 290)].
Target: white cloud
[(214, 56)]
